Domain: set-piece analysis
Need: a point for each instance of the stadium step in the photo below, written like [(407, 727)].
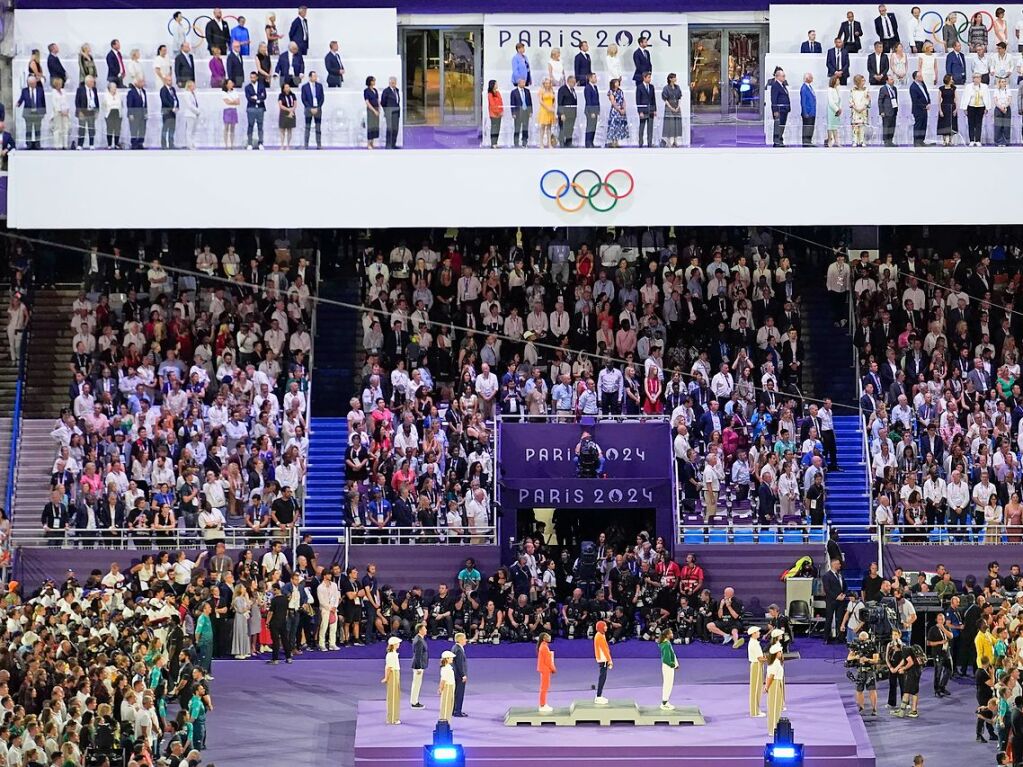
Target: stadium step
[(35, 464), (49, 349), (325, 477)]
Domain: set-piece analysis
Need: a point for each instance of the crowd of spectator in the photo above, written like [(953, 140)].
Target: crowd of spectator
[(187, 399), (939, 358), (631, 323)]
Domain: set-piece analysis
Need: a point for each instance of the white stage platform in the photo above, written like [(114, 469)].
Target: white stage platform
[(478, 187)]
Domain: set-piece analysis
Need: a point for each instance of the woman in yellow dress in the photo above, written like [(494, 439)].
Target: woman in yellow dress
[(756, 657), (446, 690), (392, 679), (774, 687), (548, 115)]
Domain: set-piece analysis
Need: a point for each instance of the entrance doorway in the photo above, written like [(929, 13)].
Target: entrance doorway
[(726, 72), (569, 527), (442, 75)]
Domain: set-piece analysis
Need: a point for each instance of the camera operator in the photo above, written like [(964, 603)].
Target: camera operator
[(851, 621), (864, 658), (589, 457), (776, 620), (575, 615), (939, 641)]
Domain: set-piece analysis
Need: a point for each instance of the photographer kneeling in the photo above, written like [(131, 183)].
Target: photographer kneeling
[(864, 658)]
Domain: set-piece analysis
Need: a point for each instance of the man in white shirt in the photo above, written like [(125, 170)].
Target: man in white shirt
[(722, 384), (838, 283), (478, 513), (487, 386), (328, 596), (958, 495)]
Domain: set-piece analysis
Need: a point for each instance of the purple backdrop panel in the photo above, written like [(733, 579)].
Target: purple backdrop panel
[(960, 560), (572, 493), (546, 450)]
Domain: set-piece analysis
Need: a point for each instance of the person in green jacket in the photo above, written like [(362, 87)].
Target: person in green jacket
[(668, 665), (204, 638), (197, 713)]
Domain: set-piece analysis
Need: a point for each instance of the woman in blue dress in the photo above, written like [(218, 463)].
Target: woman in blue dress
[(372, 98), (617, 122)]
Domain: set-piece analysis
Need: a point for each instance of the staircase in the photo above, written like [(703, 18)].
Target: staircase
[(8, 384), (35, 462), (829, 349), (49, 349), (325, 475), (848, 493)]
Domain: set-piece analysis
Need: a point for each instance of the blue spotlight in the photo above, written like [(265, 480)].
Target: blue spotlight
[(443, 752), (783, 751)]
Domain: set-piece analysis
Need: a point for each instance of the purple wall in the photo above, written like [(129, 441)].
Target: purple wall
[(960, 560), (409, 565)]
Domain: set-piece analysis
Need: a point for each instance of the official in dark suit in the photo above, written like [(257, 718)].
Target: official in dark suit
[(168, 113), (137, 104), (646, 106), (834, 600), (218, 34), (184, 66), (850, 32), (838, 61), (255, 109), (235, 66), (877, 65), (887, 28), (808, 108), (461, 665), (780, 105), (955, 64), (583, 64), (390, 104), (312, 107), (335, 68), (888, 108), (291, 66), (522, 110), (810, 44), (921, 101), (7, 146), (115, 64), (591, 108), (299, 31), (277, 622), (420, 662), (86, 108), (54, 66), (568, 106), (33, 104), (641, 59)]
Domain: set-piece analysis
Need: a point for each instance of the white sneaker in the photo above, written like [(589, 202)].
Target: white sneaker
[(546, 710), (667, 707), (761, 715), (600, 700), (334, 647)]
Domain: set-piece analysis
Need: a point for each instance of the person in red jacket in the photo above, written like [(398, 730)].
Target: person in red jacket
[(545, 665)]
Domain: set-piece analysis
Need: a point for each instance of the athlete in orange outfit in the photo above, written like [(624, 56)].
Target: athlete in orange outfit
[(545, 665), (602, 653)]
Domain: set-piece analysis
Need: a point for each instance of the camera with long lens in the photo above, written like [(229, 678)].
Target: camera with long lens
[(861, 669), (589, 459)]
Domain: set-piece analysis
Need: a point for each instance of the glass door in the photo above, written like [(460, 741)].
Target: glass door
[(442, 75), (705, 70), (745, 84), (725, 73)]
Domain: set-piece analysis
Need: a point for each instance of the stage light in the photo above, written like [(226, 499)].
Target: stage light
[(443, 751), (783, 751)]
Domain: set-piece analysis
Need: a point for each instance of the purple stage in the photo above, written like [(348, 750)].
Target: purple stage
[(729, 739)]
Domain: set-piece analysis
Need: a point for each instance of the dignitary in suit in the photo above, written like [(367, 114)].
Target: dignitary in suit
[(312, 107), (834, 601), (392, 678), (190, 114), (522, 111), (235, 65), (184, 65), (810, 44), (113, 109), (975, 101), (641, 60), (851, 32), (299, 31), (920, 100), (255, 110), (54, 66), (218, 34), (808, 108), (888, 108), (838, 62), (591, 108), (461, 665), (520, 67), (335, 68), (291, 66), (646, 106), (33, 104), (420, 662), (955, 64), (169, 106), (6, 146), (877, 65), (390, 104), (780, 105), (137, 103), (371, 96), (115, 64), (887, 28), (583, 64), (86, 108), (568, 105)]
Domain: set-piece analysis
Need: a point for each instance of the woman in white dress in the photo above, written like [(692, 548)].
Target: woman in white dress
[(834, 111), (60, 117), (133, 68), (614, 64), (859, 107), (556, 69), (900, 64), (162, 65), (179, 32), (928, 65)]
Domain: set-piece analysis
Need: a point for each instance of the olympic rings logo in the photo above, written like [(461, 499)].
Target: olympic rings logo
[(934, 28), (198, 27), (595, 187)]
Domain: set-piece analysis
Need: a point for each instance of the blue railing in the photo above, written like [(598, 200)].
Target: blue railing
[(12, 455)]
